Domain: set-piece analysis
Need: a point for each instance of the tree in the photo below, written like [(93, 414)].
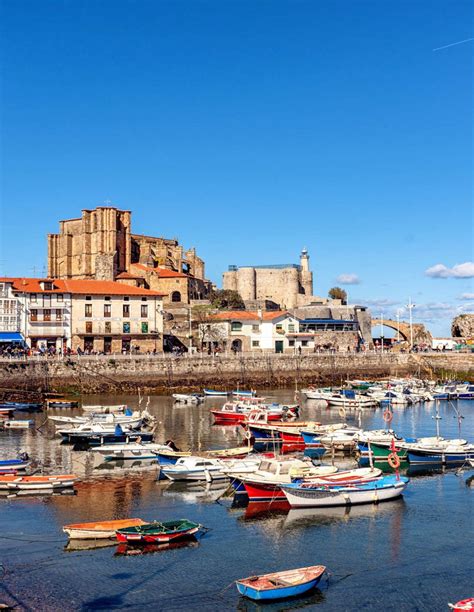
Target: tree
[(226, 299), (336, 293)]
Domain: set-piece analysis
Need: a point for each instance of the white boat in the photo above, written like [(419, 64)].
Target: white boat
[(194, 468), (351, 400), (306, 495), (341, 439), (99, 530), (18, 424), (316, 394), (105, 409), (130, 450), (132, 420)]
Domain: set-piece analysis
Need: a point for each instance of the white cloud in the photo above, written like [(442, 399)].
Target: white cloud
[(463, 270), (466, 296), (348, 279)]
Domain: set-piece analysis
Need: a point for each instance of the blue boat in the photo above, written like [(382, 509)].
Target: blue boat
[(13, 465), (311, 438), (447, 456), (281, 585)]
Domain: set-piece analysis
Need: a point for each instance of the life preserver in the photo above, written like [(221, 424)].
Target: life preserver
[(342, 412), (388, 416), (247, 434), (394, 461)]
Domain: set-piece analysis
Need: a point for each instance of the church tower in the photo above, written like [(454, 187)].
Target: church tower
[(306, 278)]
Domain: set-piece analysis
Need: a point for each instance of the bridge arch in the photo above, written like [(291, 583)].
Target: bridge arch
[(402, 328)]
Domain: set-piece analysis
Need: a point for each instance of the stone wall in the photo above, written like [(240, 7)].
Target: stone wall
[(163, 374)]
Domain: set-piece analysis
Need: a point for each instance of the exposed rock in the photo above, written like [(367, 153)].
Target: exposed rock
[(463, 326)]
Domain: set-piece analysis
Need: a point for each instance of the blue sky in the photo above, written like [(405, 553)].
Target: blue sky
[(249, 130)]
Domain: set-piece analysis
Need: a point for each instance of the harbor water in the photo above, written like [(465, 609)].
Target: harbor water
[(411, 554)]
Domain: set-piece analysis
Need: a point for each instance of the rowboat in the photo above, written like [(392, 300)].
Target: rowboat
[(13, 465), (281, 585), (121, 408), (18, 424), (302, 494), (21, 406), (191, 398), (158, 532), (229, 453), (130, 450), (100, 529), (213, 393), (37, 482)]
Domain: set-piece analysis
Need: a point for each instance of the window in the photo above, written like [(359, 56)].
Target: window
[(126, 328), (107, 310), (256, 329), (291, 343), (144, 299), (291, 328), (88, 327), (176, 296), (144, 310), (304, 343), (107, 298), (46, 300), (236, 326), (126, 299), (33, 297), (88, 310), (34, 315), (47, 286), (144, 327), (108, 327), (279, 327), (59, 314), (59, 297), (255, 343), (88, 298), (126, 310), (46, 315)]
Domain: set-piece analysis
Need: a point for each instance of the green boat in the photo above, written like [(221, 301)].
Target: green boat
[(158, 532), (380, 452)]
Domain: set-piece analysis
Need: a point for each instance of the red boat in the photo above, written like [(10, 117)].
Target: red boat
[(158, 532), (465, 605)]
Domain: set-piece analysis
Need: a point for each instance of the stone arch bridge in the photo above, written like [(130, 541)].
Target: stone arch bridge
[(420, 333)]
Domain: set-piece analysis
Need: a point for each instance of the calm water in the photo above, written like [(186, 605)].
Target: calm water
[(411, 554)]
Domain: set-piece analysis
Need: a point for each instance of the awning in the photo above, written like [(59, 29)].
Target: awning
[(11, 337)]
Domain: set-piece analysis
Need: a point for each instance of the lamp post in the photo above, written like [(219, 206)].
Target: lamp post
[(410, 307), (398, 324), (381, 331), (190, 332)]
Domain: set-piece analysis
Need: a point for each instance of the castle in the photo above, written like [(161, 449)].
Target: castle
[(289, 285), (100, 246)]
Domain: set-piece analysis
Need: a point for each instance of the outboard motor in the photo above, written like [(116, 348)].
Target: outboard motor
[(172, 445)]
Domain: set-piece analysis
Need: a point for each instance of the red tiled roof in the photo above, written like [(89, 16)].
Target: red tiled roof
[(161, 272), (127, 275), (80, 287), (248, 315)]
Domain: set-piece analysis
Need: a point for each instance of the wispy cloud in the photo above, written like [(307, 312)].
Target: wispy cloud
[(348, 279), (466, 296), (463, 270)]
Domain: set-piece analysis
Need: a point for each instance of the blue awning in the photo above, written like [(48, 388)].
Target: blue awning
[(11, 337)]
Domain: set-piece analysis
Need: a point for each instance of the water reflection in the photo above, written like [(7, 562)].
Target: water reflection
[(133, 551), (297, 603)]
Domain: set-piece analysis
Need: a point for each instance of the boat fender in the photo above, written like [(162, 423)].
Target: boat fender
[(393, 461), (342, 412), (388, 416)]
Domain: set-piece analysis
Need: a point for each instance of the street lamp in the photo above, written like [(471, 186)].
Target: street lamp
[(399, 310), (410, 307), (381, 331)]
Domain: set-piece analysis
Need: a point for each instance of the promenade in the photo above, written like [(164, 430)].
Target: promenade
[(165, 372)]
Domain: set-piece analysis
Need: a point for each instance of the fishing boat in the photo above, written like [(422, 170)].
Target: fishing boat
[(281, 585), (100, 529), (444, 452), (21, 406), (343, 440), (349, 399), (130, 419), (317, 394), (303, 494), (238, 393), (264, 483), (194, 468), (170, 456), (213, 393), (158, 532), (59, 403), (238, 452), (37, 482), (121, 408)]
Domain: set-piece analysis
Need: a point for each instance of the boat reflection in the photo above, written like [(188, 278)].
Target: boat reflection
[(262, 510), (192, 492), (78, 545), (303, 517), (37, 493), (130, 550)]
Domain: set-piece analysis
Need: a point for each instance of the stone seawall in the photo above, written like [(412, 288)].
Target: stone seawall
[(163, 374)]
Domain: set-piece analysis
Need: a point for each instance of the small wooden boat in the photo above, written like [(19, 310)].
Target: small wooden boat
[(213, 393), (187, 398), (229, 453), (13, 465), (158, 532), (100, 529), (281, 585), (61, 403), (18, 424), (37, 482)]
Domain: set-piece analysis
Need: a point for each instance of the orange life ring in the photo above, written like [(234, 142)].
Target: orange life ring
[(394, 461), (388, 416)]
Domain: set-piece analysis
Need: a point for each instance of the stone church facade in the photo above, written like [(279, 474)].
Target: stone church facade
[(100, 245), (288, 285)]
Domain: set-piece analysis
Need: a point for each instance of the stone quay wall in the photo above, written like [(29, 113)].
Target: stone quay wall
[(166, 374)]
